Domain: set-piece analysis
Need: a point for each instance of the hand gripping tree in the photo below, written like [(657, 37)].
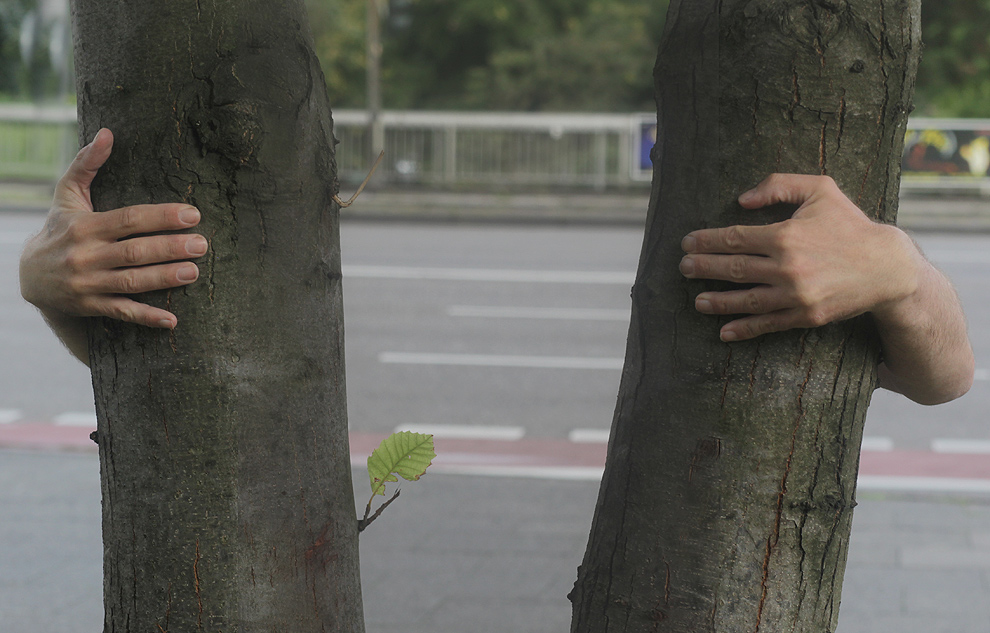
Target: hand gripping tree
[(727, 498), (227, 499)]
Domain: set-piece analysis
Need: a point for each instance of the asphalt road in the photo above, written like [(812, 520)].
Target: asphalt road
[(516, 327), (496, 330)]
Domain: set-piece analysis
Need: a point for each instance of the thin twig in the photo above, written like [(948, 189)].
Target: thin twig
[(365, 522), (344, 205)]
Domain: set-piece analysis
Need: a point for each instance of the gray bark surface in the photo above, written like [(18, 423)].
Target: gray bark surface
[(727, 499), (227, 499)]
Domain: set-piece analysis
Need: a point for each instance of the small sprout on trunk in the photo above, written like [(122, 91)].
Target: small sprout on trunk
[(405, 454)]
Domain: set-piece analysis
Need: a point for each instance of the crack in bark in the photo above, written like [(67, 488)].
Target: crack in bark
[(774, 539), (823, 150), (752, 369), (212, 261), (199, 595)]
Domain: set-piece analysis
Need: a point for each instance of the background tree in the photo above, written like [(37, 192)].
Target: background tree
[(482, 55), (728, 493), (954, 78), (225, 469), (584, 55), (517, 55)]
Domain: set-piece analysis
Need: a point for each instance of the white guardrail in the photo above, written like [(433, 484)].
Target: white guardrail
[(463, 149)]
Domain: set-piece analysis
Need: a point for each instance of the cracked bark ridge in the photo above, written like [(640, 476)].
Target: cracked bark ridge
[(727, 499), (227, 498)]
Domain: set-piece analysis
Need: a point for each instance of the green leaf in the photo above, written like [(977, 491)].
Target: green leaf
[(405, 454)]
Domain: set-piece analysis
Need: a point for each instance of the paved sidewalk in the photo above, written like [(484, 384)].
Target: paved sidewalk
[(460, 554), (917, 212)]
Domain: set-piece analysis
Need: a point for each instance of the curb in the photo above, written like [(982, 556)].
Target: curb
[(917, 212)]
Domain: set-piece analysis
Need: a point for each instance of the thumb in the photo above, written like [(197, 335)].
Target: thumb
[(785, 188), (81, 172)]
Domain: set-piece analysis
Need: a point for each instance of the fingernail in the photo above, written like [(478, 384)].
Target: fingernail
[(97, 137), (187, 273), (728, 336), (197, 246), (687, 266), (746, 197), (189, 216), (688, 244), (703, 305), (165, 323)]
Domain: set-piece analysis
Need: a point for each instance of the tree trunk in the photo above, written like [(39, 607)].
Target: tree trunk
[(227, 499), (727, 498)]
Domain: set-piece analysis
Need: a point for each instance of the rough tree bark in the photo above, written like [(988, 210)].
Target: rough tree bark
[(727, 499), (227, 499)]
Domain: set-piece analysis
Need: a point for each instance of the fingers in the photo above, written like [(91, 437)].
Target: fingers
[(751, 327), (770, 308), (753, 240), (141, 251), (81, 172), (144, 218), (757, 300), (786, 188), (125, 309), (129, 281), (744, 269)]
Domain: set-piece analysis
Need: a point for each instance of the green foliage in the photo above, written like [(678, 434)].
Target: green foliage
[(588, 55), (34, 77), (405, 454), (524, 55), (954, 78), (338, 33)]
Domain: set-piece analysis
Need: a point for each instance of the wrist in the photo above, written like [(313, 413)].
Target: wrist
[(905, 279)]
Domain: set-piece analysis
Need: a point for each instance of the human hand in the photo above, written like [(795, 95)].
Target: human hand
[(84, 264), (828, 262)]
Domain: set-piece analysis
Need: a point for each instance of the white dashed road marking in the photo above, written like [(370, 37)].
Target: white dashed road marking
[(562, 314), (464, 432), (497, 360), (490, 274)]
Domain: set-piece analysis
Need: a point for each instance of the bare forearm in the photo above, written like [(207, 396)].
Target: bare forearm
[(71, 331), (926, 349)]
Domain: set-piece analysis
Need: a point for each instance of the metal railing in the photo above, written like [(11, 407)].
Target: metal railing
[(506, 150), (495, 149)]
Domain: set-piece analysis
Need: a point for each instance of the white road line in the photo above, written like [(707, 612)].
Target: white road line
[(466, 432), (578, 473), (557, 473), (75, 418), (589, 436), (508, 312), (9, 416), (489, 274), (973, 447), (899, 483), (878, 444), (494, 360)]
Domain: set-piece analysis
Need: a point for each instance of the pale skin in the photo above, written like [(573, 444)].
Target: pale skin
[(85, 264), (827, 263)]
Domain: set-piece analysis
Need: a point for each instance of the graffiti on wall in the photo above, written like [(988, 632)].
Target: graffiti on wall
[(945, 153)]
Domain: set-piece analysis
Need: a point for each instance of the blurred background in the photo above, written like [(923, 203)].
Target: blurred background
[(497, 95), (486, 283)]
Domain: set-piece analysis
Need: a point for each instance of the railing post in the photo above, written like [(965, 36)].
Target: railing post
[(450, 155), (601, 160)]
